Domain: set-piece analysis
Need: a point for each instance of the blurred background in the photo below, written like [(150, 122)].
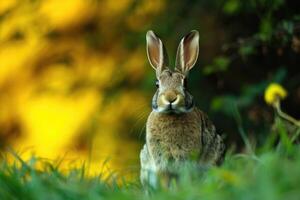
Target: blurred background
[(76, 86)]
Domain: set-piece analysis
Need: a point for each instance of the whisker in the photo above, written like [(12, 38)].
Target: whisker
[(141, 116)]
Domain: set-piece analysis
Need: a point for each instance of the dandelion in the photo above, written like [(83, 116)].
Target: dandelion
[(274, 93)]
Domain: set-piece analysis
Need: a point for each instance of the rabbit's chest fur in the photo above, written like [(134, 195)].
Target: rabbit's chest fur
[(173, 137)]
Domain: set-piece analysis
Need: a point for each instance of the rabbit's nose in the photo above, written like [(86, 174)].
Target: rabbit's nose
[(170, 97)]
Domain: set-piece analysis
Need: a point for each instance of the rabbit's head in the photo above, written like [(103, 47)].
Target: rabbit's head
[(172, 95)]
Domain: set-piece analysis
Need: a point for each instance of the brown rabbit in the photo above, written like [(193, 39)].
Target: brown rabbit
[(176, 128)]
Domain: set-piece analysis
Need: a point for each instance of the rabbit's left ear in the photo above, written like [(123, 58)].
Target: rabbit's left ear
[(187, 52)]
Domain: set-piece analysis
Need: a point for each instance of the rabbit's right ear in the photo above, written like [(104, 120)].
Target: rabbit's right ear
[(156, 52)]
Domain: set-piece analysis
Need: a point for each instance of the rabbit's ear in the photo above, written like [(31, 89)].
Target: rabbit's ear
[(187, 52), (156, 52)]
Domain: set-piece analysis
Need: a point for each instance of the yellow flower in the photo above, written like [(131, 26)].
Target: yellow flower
[(6, 5), (228, 176), (274, 92), (67, 14)]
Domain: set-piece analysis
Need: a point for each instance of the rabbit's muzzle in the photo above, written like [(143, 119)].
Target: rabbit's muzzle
[(170, 97), (170, 102)]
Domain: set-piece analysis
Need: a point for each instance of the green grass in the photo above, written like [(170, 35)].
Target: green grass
[(269, 172), (270, 175)]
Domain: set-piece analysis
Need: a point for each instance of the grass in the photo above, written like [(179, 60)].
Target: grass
[(273, 172), (271, 175)]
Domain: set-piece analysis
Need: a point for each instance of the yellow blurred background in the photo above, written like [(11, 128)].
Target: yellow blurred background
[(63, 67)]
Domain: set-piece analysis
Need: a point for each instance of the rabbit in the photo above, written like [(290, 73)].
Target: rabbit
[(176, 128)]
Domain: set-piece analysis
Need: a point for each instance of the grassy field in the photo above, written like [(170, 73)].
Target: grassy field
[(272, 174)]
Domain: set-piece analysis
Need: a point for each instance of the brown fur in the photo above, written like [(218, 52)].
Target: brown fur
[(170, 83), (176, 130), (176, 138), (172, 136)]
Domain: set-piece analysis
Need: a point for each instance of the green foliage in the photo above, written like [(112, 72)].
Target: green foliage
[(231, 6), (273, 174), (225, 103), (269, 172), (219, 64)]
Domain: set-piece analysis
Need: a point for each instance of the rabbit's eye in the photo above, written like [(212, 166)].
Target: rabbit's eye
[(157, 83), (184, 83)]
